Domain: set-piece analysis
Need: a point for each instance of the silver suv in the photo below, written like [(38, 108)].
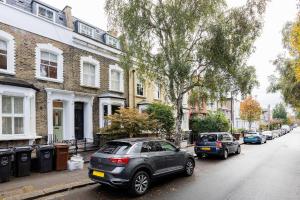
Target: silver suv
[(133, 163)]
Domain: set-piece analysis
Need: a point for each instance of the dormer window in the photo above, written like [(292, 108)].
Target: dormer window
[(112, 41), (45, 13), (86, 30)]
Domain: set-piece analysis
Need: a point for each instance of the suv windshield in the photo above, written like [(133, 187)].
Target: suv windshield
[(115, 148), (208, 138)]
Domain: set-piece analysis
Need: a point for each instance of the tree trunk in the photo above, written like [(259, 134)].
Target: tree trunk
[(250, 123), (178, 122)]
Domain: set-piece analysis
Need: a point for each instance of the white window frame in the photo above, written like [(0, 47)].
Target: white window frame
[(80, 30), (10, 41), (157, 91), (29, 112), (41, 6), (142, 83), (60, 60), (94, 62), (13, 115), (120, 70)]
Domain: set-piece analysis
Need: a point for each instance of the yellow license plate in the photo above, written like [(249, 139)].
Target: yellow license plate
[(98, 174), (205, 148)]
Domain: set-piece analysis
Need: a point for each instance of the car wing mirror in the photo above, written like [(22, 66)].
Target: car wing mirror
[(177, 149)]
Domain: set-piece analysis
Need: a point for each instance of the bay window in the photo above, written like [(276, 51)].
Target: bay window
[(12, 115)]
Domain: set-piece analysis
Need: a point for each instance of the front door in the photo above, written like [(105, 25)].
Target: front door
[(58, 124), (79, 121)]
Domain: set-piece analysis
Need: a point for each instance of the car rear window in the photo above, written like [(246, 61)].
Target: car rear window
[(208, 138), (115, 148)]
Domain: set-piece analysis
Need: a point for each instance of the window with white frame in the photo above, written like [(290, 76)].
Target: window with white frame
[(140, 88), (116, 77), (157, 91), (90, 72), (115, 80), (7, 53), (49, 63), (12, 115), (3, 55), (86, 30), (45, 13)]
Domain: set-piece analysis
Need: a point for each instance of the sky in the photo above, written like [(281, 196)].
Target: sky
[(268, 45)]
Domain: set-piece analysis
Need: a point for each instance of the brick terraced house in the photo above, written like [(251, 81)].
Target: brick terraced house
[(59, 76)]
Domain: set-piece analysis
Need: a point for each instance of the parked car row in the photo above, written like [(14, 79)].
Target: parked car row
[(262, 137), (134, 163)]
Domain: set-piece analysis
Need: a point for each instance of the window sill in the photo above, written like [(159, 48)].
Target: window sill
[(49, 79), (19, 137), (139, 96), (2, 71), (88, 86), (118, 91)]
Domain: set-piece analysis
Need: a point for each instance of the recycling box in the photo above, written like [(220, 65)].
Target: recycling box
[(22, 161), (5, 164), (45, 154)]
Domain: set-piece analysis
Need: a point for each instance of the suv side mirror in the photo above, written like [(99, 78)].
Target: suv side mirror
[(177, 149), (234, 139)]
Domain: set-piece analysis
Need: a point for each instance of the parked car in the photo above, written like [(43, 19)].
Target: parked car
[(286, 128), (268, 134), (220, 144), (276, 133), (134, 163), (255, 137)]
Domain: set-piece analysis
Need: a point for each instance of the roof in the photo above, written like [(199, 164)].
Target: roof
[(111, 95), (17, 83)]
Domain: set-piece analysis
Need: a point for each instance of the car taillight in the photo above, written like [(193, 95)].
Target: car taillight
[(219, 144), (123, 161)]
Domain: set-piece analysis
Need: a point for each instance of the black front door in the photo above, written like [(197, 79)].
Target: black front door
[(79, 121)]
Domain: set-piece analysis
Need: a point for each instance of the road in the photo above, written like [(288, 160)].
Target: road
[(261, 172)]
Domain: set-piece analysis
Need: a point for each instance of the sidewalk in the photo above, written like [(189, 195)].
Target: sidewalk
[(37, 185)]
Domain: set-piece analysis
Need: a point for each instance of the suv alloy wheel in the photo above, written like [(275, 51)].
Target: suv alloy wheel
[(225, 155), (140, 183), (189, 167)]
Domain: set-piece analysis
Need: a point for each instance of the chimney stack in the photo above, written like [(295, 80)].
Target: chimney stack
[(113, 32), (69, 18)]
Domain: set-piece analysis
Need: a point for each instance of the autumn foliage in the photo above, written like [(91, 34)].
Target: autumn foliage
[(130, 122), (294, 41), (250, 110)]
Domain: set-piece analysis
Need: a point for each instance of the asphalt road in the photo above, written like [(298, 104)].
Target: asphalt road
[(261, 172)]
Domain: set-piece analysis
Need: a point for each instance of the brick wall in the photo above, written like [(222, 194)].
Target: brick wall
[(25, 70)]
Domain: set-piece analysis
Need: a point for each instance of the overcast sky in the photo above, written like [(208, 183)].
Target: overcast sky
[(268, 46)]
